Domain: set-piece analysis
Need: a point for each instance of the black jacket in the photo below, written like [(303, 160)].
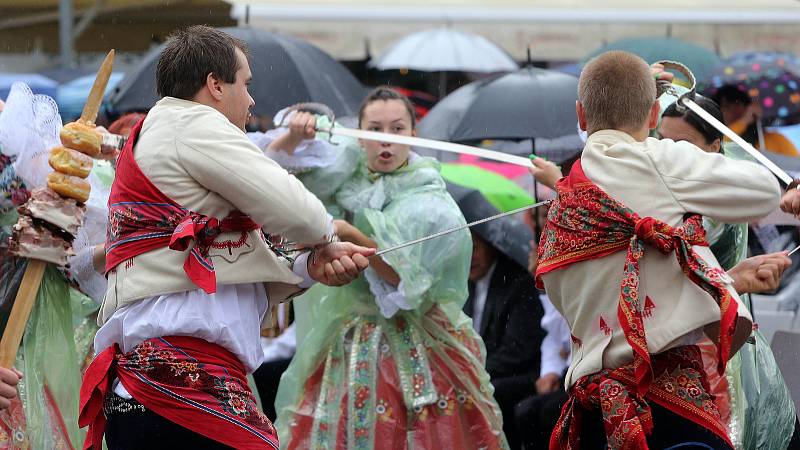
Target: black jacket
[(511, 325)]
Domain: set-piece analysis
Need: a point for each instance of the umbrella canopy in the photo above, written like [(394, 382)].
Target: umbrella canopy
[(445, 50), (772, 78), (529, 103), (791, 132), (72, 96), (285, 71), (508, 235), (698, 59), (502, 193), (38, 84)]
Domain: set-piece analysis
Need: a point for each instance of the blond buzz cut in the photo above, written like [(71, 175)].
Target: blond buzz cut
[(617, 91)]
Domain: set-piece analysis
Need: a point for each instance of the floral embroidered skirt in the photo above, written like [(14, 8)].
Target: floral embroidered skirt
[(409, 382)]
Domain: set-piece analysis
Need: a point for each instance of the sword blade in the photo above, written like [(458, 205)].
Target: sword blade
[(697, 109), (461, 227), (429, 143)]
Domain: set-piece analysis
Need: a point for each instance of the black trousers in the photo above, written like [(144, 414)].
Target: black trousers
[(670, 432), (130, 426), (267, 379), (508, 391), (794, 444), (536, 416)]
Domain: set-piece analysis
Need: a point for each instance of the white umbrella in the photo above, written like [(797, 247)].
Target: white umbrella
[(445, 50)]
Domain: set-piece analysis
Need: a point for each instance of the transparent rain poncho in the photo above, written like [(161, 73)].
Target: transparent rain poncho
[(761, 414), (379, 366), (59, 333)]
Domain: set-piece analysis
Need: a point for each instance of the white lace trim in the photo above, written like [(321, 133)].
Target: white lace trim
[(389, 299)]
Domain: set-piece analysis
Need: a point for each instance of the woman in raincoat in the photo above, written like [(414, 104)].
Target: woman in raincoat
[(760, 411), (389, 361)]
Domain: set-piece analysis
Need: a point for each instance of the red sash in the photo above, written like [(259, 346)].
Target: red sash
[(191, 382), (586, 223), (680, 385), (141, 219)]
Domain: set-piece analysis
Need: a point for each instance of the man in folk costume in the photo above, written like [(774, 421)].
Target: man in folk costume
[(190, 271), (624, 258)]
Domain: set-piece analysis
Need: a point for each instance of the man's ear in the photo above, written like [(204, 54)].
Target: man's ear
[(716, 145), (581, 115), (214, 86), (655, 114)]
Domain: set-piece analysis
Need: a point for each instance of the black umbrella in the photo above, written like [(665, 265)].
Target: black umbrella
[(529, 103), (285, 71), (508, 235)]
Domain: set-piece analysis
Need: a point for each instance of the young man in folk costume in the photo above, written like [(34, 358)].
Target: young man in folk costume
[(190, 271), (624, 258)]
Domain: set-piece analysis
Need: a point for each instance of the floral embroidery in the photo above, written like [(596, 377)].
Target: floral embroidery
[(361, 399), (157, 360), (678, 386), (585, 223)]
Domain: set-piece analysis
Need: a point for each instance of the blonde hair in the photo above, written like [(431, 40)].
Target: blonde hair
[(617, 91)]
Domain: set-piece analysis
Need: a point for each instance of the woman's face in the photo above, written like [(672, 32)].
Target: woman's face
[(386, 116), (677, 129)]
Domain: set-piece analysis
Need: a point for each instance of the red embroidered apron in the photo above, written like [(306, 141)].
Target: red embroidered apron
[(191, 382)]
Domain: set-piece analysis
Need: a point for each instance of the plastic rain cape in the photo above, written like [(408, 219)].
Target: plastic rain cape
[(61, 327), (400, 365), (762, 414)]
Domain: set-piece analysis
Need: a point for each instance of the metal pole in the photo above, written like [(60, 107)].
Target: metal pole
[(65, 20)]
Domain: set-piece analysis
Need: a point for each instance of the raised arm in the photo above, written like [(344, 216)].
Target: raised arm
[(715, 186), (227, 163)]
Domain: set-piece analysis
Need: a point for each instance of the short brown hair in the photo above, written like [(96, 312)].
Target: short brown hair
[(190, 55), (617, 91), (386, 93)]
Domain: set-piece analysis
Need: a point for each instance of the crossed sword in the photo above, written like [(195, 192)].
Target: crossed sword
[(685, 100)]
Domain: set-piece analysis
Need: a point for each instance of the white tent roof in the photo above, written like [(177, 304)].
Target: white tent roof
[(563, 30)]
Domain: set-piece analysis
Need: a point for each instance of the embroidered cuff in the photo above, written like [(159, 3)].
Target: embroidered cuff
[(389, 299)]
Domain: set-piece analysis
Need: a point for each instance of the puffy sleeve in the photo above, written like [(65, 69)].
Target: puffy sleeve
[(716, 186), (434, 271), (322, 164), (221, 158)]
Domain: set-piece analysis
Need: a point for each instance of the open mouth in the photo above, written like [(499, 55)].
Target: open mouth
[(385, 155)]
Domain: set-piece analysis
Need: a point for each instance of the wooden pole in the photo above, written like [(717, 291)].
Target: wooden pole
[(26, 296)]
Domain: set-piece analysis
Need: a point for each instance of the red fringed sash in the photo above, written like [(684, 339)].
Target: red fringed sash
[(141, 219), (191, 382), (586, 223)]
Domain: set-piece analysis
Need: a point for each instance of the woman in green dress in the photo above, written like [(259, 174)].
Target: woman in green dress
[(389, 361)]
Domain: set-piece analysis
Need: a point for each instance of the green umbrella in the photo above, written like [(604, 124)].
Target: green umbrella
[(501, 192), (699, 60)]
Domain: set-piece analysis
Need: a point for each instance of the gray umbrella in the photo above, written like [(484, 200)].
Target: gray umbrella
[(508, 235), (528, 104), (285, 71)]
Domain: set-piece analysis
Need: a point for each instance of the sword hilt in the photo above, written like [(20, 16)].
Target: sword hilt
[(664, 86)]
